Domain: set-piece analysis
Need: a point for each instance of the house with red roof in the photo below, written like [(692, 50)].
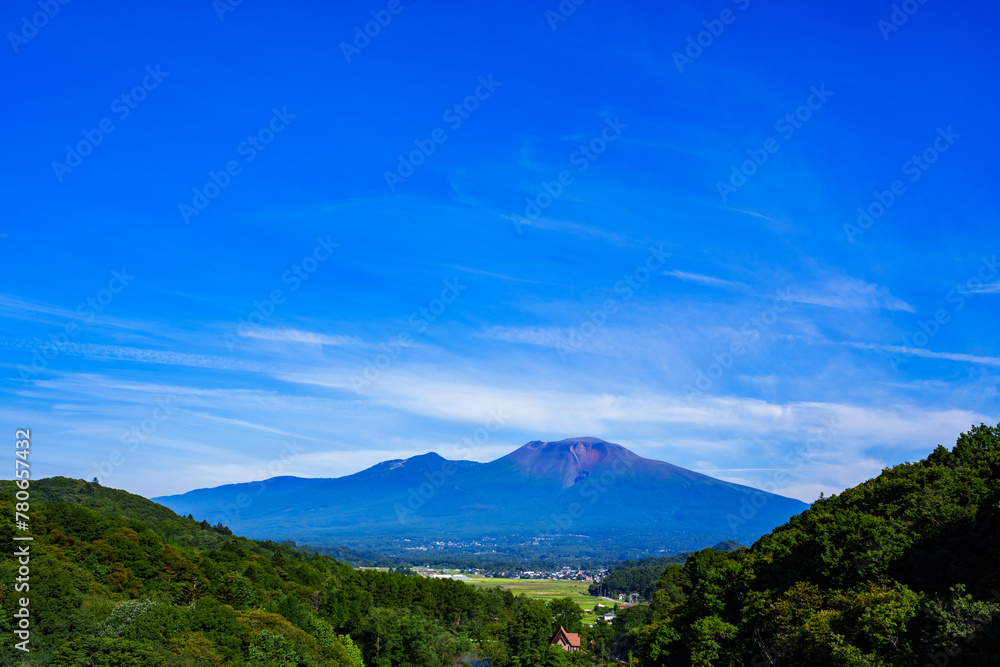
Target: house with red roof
[(570, 641)]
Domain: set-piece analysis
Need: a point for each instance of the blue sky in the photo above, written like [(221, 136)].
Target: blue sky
[(243, 240)]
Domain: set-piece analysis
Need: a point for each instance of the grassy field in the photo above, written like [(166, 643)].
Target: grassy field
[(544, 589)]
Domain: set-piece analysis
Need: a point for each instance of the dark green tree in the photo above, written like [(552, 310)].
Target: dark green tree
[(565, 613)]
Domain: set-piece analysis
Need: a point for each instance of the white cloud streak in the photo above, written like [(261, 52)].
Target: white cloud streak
[(709, 281), (308, 337), (851, 294), (929, 354)]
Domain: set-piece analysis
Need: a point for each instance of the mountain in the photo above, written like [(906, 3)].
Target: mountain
[(540, 492)]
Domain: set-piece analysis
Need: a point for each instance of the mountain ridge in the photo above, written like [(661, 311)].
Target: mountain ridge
[(583, 485)]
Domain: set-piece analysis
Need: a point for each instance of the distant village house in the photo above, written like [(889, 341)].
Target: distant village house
[(569, 641)]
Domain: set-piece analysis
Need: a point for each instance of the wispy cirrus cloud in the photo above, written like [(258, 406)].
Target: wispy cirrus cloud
[(754, 214), (16, 307), (101, 352), (540, 336), (583, 230), (851, 294), (307, 337), (247, 424), (928, 354), (493, 274), (566, 407), (700, 279), (40, 312), (993, 288)]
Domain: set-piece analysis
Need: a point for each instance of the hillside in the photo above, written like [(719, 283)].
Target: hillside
[(903, 569), (118, 580), (542, 490), (643, 576)]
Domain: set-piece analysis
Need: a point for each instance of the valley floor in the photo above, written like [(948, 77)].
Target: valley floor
[(548, 589)]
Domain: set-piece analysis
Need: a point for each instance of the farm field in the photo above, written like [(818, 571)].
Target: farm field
[(546, 589)]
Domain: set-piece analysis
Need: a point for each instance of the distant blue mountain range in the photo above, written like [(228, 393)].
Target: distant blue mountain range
[(573, 487)]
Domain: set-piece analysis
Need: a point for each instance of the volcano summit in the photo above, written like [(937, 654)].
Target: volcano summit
[(581, 487)]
